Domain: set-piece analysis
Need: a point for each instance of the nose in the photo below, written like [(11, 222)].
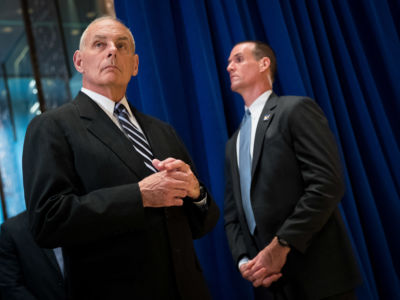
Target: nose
[(112, 50), (229, 68)]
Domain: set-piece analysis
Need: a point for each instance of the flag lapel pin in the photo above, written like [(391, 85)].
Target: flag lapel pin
[(267, 117)]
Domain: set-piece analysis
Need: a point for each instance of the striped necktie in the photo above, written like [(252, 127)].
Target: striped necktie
[(137, 138)]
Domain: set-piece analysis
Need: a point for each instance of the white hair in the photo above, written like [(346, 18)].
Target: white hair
[(82, 42)]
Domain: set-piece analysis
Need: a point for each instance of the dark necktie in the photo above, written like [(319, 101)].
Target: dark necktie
[(245, 169), (137, 138)]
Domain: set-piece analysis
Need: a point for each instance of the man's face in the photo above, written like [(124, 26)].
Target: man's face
[(107, 56), (243, 68)]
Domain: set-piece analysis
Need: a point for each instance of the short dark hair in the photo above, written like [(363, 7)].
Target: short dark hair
[(261, 50)]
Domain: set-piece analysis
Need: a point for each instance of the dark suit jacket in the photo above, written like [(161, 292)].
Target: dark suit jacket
[(296, 187), (81, 179), (27, 271)]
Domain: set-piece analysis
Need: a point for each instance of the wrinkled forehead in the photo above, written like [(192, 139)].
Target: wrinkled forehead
[(107, 29)]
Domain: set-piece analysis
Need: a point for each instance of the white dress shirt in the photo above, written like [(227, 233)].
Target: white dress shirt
[(107, 105), (255, 110)]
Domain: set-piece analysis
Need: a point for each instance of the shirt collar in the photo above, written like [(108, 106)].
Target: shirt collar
[(257, 106), (106, 103)]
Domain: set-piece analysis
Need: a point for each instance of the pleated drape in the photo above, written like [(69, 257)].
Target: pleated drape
[(344, 54)]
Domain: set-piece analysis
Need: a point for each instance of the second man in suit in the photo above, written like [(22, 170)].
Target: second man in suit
[(114, 187), (283, 186)]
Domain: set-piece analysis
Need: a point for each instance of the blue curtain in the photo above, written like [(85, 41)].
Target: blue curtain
[(344, 54)]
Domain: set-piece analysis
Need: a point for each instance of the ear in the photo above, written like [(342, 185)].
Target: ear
[(135, 68), (264, 64), (78, 61)]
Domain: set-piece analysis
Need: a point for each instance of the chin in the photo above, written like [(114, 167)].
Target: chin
[(234, 87)]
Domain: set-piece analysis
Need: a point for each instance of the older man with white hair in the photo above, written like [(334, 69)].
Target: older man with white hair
[(113, 187)]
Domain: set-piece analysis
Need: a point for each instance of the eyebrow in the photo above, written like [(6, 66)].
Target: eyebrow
[(99, 37), (103, 37)]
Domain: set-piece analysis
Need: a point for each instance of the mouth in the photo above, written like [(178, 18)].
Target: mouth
[(110, 67)]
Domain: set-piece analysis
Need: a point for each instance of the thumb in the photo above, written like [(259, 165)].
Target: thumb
[(156, 163)]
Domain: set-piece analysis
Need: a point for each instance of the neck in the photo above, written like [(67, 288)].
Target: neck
[(250, 95), (111, 92)]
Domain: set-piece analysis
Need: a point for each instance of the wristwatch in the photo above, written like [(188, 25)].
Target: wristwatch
[(283, 242), (202, 194)]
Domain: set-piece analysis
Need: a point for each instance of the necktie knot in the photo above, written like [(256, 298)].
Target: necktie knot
[(120, 109), (247, 115)]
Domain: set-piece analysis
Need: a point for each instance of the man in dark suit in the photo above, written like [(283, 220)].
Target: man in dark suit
[(114, 187), (27, 271), (283, 186)]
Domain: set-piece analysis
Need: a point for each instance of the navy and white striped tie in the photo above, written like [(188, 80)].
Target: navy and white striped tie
[(137, 138)]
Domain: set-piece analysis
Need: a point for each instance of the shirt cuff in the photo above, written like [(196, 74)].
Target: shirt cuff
[(202, 202), (243, 261)]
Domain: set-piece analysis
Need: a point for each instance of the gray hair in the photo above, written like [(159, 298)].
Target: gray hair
[(84, 34)]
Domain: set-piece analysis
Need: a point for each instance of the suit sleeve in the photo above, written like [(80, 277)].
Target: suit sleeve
[(11, 275), (201, 219), (233, 228), (59, 206), (317, 154)]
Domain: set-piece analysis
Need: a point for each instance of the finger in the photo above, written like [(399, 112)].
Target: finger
[(173, 184), (177, 164), (260, 274), (257, 281), (175, 202), (176, 193), (160, 165), (270, 279), (247, 274), (156, 163), (251, 263), (247, 267), (178, 175), (244, 270), (187, 182), (256, 267), (243, 267)]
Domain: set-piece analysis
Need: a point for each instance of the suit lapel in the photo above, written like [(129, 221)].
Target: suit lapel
[(153, 132), (233, 160), (53, 260), (234, 157), (101, 126), (265, 120)]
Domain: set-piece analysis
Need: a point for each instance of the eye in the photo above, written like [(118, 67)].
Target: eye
[(98, 44), (121, 46)]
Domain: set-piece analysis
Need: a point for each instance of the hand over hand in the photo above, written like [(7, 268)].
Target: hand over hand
[(260, 277), (175, 165), (170, 185), (266, 267)]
